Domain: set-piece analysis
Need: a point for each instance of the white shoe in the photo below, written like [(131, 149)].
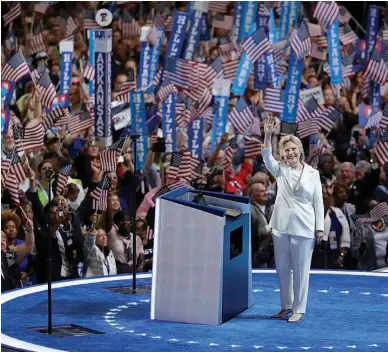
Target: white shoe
[(295, 317)]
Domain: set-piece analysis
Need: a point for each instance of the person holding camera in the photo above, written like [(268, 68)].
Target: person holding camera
[(297, 218), (66, 243)]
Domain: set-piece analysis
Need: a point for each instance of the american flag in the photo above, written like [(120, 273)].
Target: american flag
[(70, 26), (347, 65), (158, 76), (347, 35), (326, 12), (321, 41), (16, 167), (18, 135), (308, 110), (62, 177), (230, 149), (343, 15), (33, 137), (382, 147), (376, 69), (165, 90), (89, 20), (274, 100), (171, 187), (197, 81), (256, 45), (241, 116), (218, 6), (37, 44), (301, 44), (54, 117), (38, 72), (15, 69), (223, 22), (89, 72), (229, 45), (377, 213), (213, 72), (129, 26), (14, 12), (159, 20), (314, 30), (129, 85), (252, 147), (110, 155), (384, 33), (384, 119), (230, 69), (173, 169), (12, 184), (188, 165), (307, 128), (374, 118), (327, 119), (178, 72), (100, 195), (80, 122), (48, 89), (317, 52)]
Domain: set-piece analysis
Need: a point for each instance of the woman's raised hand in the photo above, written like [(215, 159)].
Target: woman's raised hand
[(269, 125)]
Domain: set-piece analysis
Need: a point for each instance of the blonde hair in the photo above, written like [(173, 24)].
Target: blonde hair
[(291, 138)]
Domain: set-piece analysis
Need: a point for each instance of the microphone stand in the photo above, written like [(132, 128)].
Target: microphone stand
[(134, 138), (48, 177)]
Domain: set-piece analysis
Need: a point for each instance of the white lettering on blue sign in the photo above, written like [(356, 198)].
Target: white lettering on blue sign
[(100, 95)]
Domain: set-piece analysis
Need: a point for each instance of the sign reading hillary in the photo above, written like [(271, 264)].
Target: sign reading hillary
[(291, 98), (375, 94), (169, 123), (66, 49), (372, 28), (145, 66), (285, 19), (192, 37), (271, 70), (237, 18), (261, 78), (221, 92), (195, 135), (242, 76), (103, 69), (155, 57), (334, 53), (178, 33), (248, 18), (205, 28), (139, 126)]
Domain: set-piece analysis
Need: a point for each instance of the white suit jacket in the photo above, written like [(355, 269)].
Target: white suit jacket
[(298, 212)]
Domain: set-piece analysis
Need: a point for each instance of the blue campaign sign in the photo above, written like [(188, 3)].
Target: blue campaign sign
[(192, 38), (169, 123), (219, 119), (178, 33), (364, 112), (372, 28), (196, 138), (248, 19), (66, 49), (155, 58), (103, 69), (334, 53), (144, 79)]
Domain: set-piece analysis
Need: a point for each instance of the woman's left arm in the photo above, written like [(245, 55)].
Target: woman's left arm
[(318, 204)]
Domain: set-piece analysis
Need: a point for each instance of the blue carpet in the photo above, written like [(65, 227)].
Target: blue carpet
[(344, 313)]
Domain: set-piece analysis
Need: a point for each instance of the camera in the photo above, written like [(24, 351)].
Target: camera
[(356, 135), (160, 145)]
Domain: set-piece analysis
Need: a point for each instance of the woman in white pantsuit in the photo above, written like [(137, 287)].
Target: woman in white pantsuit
[(297, 218)]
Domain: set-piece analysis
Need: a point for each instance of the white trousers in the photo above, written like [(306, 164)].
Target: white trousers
[(293, 260)]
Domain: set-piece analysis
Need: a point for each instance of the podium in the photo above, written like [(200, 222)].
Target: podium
[(202, 257)]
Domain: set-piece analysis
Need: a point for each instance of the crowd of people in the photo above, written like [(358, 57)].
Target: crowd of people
[(86, 242)]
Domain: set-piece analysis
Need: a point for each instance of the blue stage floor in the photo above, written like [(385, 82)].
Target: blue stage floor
[(346, 311)]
